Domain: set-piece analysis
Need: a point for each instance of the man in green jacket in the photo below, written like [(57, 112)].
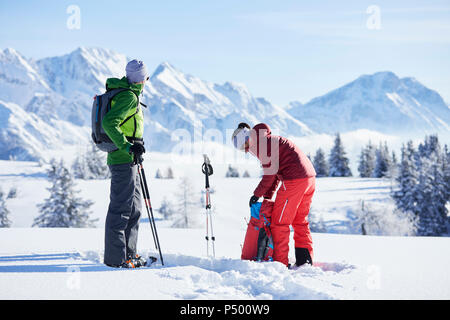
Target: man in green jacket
[(124, 124)]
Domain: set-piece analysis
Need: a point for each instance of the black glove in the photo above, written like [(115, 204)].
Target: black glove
[(253, 199), (137, 149)]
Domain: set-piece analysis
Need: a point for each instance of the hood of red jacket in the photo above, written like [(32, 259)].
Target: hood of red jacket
[(261, 130)]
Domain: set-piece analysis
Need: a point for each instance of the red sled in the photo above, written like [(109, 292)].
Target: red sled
[(258, 243)]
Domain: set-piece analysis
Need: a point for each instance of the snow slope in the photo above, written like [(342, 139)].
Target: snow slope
[(67, 263), (79, 76), (26, 136), (19, 80)]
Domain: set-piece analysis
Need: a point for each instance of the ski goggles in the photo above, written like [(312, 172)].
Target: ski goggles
[(240, 138)]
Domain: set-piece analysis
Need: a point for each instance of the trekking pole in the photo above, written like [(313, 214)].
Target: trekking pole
[(208, 170), (148, 205)]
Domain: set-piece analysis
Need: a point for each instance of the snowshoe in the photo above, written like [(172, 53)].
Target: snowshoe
[(124, 265), (151, 260), (138, 261)]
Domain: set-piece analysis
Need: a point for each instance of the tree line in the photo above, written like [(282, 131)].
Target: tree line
[(375, 162), (422, 177), (424, 185), (422, 189)]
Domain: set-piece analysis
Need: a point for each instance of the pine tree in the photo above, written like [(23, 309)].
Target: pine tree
[(246, 174), (158, 174), (446, 170), (393, 170), (166, 209), (232, 172), (5, 222), (320, 164), (338, 162), (431, 190), (382, 162), (63, 208), (367, 161), (91, 165), (382, 219), (96, 162), (169, 174), (422, 188), (12, 193), (405, 196), (80, 168)]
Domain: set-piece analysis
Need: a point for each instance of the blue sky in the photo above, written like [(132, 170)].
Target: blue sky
[(282, 50)]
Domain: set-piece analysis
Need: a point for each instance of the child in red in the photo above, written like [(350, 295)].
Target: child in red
[(284, 162)]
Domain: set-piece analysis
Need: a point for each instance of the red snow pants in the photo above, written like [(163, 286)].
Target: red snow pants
[(291, 207)]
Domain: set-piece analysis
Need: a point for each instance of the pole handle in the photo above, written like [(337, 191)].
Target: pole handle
[(138, 160), (207, 170)]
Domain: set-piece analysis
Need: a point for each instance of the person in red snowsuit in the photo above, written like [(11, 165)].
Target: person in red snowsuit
[(287, 167)]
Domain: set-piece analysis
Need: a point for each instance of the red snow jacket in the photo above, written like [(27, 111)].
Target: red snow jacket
[(280, 158)]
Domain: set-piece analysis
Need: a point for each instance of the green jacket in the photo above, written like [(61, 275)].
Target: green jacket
[(123, 105)]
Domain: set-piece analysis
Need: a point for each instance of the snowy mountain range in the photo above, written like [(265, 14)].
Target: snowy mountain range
[(380, 102), (47, 103), (177, 100)]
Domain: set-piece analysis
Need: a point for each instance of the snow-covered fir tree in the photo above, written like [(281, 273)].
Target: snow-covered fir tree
[(320, 163), (246, 174), (382, 219), (393, 170), (232, 172), (96, 161), (382, 162), (405, 196), (169, 174), (91, 164), (422, 188), (338, 162), (5, 222), (80, 168), (446, 170), (167, 209), (187, 206), (367, 161), (431, 189), (12, 194), (158, 174), (63, 209)]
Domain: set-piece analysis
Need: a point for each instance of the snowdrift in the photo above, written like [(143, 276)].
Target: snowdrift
[(67, 264)]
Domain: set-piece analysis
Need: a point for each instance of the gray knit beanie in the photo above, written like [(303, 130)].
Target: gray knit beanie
[(136, 71)]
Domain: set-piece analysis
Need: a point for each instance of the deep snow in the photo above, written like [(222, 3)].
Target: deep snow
[(67, 263)]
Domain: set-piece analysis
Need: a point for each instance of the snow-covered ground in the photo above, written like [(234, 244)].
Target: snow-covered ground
[(67, 263)]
